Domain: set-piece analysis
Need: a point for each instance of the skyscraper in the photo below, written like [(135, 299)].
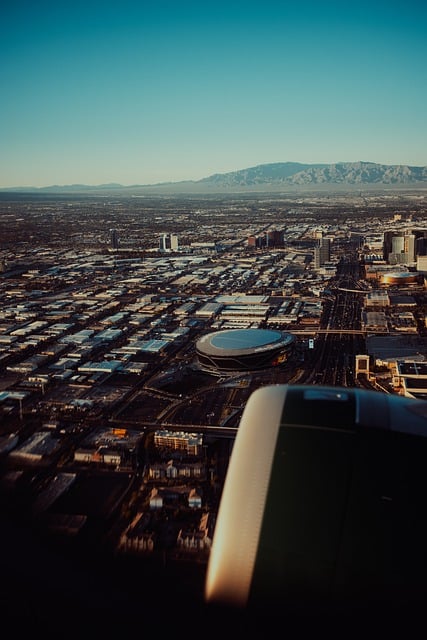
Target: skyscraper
[(164, 242), (174, 242), (322, 252), (168, 242), (114, 239), (403, 247)]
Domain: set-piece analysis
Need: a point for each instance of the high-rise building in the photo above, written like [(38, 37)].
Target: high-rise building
[(168, 242), (322, 252), (257, 242), (270, 239), (274, 238), (163, 242), (421, 245), (114, 239), (403, 247), (174, 242)]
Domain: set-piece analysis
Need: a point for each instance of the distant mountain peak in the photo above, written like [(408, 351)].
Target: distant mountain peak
[(271, 176), (294, 173)]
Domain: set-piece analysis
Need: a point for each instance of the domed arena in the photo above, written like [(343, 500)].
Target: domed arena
[(243, 349), (400, 277)]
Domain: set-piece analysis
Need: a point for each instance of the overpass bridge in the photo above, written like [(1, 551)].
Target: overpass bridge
[(360, 332)]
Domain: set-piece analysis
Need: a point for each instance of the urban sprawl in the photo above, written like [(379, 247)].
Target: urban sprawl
[(115, 427)]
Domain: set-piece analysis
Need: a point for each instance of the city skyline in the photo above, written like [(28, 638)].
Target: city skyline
[(144, 93)]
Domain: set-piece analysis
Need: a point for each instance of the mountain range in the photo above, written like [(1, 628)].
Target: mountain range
[(277, 176)]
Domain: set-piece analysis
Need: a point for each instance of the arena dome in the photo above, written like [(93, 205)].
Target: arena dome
[(244, 349), (400, 277)]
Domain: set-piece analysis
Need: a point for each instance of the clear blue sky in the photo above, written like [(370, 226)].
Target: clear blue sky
[(153, 91)]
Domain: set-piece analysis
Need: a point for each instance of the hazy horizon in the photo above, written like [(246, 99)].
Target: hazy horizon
[(142, 93)]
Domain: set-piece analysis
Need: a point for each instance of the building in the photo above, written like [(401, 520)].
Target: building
[(422, 264), (168, 242), (272, 239), (244, 349), (412, 378), (114, 239), (376, 298), (322, 252), (190, 443), (403, 247), (400, 277)]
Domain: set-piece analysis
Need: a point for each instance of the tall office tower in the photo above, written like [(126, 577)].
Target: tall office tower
[(164, 243), (258, 242), (397, 253), (410, 248), (114, 238), (401, 247), (357, 240), (322, 252), (420, 242), (168, 242), (421, 246), (387, 243), (274, 238), (174, 242)]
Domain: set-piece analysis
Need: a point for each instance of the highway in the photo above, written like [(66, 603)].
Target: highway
[(340, 338)]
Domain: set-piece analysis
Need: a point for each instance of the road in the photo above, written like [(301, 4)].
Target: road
[(340, 337)]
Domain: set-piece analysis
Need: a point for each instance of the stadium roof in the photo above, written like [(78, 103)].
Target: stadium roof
[(243, 340)]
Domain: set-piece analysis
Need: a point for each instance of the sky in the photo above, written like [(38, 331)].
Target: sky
[(144, 92)]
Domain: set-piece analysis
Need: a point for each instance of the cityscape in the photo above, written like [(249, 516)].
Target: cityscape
[(205, 206), (133, 330)]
